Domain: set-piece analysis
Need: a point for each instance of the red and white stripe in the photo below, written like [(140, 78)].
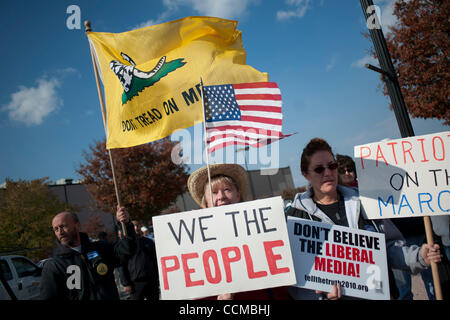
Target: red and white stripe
[(261, 118)]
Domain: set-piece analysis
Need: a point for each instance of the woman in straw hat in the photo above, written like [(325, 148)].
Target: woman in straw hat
[(229, 184)]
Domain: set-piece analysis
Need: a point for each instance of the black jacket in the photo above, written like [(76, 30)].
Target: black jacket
[(95, 282), (142, 266)]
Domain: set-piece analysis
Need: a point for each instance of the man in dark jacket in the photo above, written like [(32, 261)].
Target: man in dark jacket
[(82, 269), (139, 275)]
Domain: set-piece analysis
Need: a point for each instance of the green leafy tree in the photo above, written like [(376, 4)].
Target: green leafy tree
[(148, 180), (26, 211)]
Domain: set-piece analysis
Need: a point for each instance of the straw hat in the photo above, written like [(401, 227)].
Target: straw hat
[(198, 179)]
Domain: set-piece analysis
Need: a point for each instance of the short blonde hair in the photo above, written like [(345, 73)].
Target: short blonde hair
[(217, 180)]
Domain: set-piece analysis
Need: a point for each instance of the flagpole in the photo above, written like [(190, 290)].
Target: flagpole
[(206, 141), (88, 28)]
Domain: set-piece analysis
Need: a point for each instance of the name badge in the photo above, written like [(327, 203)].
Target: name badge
[(91, 255)]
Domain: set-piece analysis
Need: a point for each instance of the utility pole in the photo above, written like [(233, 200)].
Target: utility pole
[(398, 104)]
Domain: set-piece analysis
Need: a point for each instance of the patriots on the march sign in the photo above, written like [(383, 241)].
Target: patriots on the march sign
[(405, 178), (242, 114)]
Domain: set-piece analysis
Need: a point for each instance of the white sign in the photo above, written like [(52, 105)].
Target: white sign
[(227, 249), (325, 255), (405, 178)]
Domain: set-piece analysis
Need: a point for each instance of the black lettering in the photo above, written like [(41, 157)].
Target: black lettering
[(337, 236), (263, 220), (408, 177), (297, 229), (190, 234), (190, 97), (234, 221), (204, 228), (401, 179), (302, 244), (255, 221), (307, 230), (156, 113), (137, 119), (435, 178), (315, 232)]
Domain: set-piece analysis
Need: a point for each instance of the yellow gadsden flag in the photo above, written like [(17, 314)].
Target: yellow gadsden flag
[(152, 75)]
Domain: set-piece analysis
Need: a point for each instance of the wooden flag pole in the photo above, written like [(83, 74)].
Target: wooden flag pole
[(88, 28), (206, 142), (434, 266)]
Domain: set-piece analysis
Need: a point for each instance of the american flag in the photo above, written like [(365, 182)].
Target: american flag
[(242, 114)]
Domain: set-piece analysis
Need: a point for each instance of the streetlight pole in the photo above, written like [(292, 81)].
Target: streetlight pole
[(398, 104)]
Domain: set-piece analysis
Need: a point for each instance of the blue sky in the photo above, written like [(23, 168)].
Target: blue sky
[(313, 49)]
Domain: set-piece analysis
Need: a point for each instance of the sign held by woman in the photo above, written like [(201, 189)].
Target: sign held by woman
[(225, 249)]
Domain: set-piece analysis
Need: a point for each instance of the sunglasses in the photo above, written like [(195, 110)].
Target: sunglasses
[(344, 170), (321, 169)]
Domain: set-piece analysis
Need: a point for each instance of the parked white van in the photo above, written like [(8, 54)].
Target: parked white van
[(22, 275)]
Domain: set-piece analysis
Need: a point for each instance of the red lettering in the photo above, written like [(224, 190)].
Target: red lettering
[(348, 253), (337, 267), (218, 275), (407, 151), (319, 263), (329, 265), (327, 250), (249, 262), (363, 156), (364, 257), (227, 260), (392, 144), (351, 270), (355, 254), (339, 251), (380, 155), (434, 149), (272, 258), (166, 269), (371, 257), (423, 151), (188, 271)]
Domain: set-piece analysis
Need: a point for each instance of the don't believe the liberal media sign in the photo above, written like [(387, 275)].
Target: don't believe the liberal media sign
[(326, 255)]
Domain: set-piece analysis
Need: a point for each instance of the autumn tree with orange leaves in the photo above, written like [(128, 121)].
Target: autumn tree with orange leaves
[(148, 180), (419, 47)]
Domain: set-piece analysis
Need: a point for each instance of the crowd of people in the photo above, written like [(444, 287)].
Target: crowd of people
[(331, 197)]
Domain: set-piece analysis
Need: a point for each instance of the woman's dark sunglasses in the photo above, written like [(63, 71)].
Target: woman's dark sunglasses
[(344, 170), (321, 169)]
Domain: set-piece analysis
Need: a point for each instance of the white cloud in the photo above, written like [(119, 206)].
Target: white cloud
[(230, 9), (362, 62), (31, 105), (298, 10), (332, 63), (227, 9)]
